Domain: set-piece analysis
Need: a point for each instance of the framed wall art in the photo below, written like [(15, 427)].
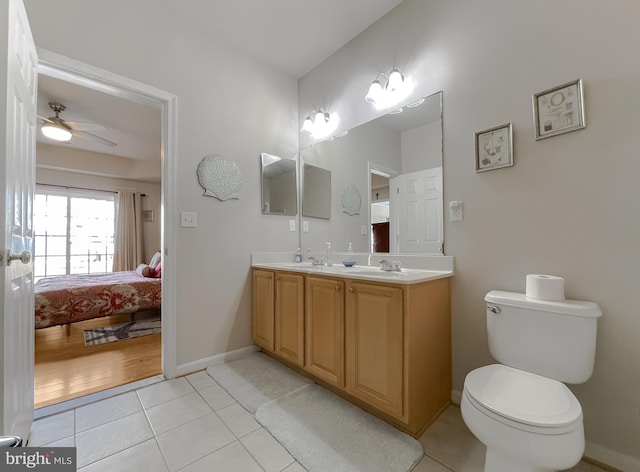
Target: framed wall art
[(494, 148), (558, 110)]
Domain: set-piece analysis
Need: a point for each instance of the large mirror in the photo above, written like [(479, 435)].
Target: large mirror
[(395, 163), (279, 185), (316, 192)]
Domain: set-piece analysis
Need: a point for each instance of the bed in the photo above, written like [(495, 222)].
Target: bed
[(79, 297)]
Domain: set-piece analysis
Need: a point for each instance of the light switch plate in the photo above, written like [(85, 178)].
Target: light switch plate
[(455, 211), (292, 225), (363, 230), (305, 226), (188, 219)]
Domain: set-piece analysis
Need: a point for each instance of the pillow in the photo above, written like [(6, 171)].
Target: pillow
[(154, 260), (144, 270), (157, 272)]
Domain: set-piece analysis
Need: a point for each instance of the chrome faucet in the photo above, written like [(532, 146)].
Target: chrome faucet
[(385, 265), (316, 261), (388, 266)]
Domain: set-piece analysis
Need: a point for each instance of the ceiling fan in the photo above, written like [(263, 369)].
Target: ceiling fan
[(58, 129)]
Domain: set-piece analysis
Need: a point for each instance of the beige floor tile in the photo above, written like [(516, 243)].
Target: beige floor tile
[(238, 420), (143, 457), (102, 441), (164, 391), (177, 412), (192, 441), (427, 464), (106, 410), (449, 442), (268, 452), (231, 458), (52, 428)]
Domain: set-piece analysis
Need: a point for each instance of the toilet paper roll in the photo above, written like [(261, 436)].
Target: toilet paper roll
[(545, 287)]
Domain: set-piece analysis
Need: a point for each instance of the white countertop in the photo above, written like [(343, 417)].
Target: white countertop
[(404, 276)]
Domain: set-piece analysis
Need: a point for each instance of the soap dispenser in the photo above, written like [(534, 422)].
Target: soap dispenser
[(329, 261), (298, 257)]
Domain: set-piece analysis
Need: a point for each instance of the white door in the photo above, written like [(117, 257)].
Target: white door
[(416, 212), (17, 167)]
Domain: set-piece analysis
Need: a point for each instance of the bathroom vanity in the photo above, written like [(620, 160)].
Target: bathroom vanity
[(379, 339)]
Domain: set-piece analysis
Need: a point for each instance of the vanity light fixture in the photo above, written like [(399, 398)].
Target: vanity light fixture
[(56, 131), (319, 123), (394, 89)]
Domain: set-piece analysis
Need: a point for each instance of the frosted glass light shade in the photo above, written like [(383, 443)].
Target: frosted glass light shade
[(307, 125), (57, 133), (396, 80), (375, 92)]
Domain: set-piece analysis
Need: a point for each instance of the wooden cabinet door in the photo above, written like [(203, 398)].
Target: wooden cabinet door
[(263, 309), (289, 318), (324, 329), (374, 345)]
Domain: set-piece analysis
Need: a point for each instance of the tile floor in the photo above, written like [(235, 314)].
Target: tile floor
[(191, 424)]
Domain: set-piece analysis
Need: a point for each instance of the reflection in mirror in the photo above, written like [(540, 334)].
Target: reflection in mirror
[(279, 188), (401, 152), (316, 192)]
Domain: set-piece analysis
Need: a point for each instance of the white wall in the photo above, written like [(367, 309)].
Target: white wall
[(567, 207), (228, 103)]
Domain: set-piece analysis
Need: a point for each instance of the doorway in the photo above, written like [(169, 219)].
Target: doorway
[(71, 71), (380, 214)]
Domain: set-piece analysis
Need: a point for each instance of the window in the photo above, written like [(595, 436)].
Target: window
[(74, 231)]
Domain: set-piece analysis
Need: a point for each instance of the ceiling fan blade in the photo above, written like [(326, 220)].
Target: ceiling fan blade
[(45, 119), (93, 137), (86, 126)]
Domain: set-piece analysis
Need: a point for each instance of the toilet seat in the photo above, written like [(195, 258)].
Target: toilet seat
[(523, 400)]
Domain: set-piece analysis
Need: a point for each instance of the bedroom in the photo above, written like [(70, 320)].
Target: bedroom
[(80, 179)]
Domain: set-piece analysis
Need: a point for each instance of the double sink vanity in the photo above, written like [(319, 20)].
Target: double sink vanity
[(380, 339)]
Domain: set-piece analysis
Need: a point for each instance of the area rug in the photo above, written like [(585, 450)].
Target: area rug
[(256, 379), (328, 434), (118, 332)]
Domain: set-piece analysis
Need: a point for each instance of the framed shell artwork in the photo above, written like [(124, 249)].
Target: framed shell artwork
[(219, 177)]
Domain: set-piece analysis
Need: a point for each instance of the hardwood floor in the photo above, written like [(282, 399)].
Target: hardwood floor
[(66, 369)]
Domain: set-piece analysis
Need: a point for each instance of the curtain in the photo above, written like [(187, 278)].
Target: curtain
[(128, 250)]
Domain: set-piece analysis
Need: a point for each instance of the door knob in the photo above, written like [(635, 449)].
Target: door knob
[(24, 257)]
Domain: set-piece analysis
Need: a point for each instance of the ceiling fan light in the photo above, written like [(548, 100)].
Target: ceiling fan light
[(57, 133), (396, 79)]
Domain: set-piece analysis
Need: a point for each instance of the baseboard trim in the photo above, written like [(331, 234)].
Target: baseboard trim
[(610, 460), (456, 397), (202, 364)]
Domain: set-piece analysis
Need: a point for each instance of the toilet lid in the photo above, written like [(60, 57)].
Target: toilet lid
[(523, 397)]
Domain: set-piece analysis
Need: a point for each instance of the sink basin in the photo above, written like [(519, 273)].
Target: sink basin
[(361, 272)]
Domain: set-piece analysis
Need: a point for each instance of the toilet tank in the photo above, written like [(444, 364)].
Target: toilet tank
[(555, 339)]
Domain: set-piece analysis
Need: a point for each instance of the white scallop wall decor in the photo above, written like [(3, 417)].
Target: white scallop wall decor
[(219, 177), (351, 200)]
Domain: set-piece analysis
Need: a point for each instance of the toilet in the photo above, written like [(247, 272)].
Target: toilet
[(521, 409)]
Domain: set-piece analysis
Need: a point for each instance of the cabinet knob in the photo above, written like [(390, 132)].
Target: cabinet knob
[(351, 290), (337, 288)]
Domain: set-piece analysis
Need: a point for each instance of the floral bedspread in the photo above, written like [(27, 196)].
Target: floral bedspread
[(71, 298)]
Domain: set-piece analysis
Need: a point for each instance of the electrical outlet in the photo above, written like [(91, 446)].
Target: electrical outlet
[(305, 226), (292, 225), (363, 230)]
